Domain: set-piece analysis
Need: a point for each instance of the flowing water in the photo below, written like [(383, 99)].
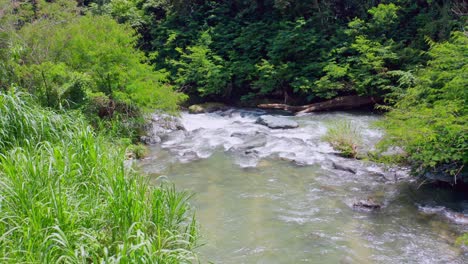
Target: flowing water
[(275, 196)]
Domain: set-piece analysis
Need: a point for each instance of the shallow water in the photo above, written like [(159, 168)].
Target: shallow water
[(273, 196)]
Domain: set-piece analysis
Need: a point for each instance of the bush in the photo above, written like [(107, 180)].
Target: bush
[(430, 122), (344, 137), (90, 63), (66, 196), (101, 53)]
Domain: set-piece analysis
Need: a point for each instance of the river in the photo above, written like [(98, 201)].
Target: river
[(275, 196)]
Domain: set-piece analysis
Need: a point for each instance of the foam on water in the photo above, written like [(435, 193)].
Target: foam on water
[(234, 130)]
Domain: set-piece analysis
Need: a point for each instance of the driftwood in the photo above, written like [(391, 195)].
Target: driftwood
[(342, 102)]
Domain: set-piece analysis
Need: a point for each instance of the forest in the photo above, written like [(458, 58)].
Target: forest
[(78, 80)]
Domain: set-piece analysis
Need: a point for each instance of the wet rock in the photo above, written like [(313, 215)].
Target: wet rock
[(452, 216), (207, 108), (228, 113), (393, 151), (274, 122), (441, 173), (397, 173), (343, 167), (246, 160), (159, 125), (187, 156), (175, 136), (457, 218), (254, 142), (367, 205), (239, 134), (150, 140)]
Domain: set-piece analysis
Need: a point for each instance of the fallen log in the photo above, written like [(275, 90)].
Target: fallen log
[(342, 102)]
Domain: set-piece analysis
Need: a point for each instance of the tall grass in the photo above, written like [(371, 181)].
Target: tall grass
[(66, 196), (344, 137)]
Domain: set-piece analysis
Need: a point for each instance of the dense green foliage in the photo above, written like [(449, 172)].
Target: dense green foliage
[(67, 196), (295, 51), (431, 120), (67, 60)]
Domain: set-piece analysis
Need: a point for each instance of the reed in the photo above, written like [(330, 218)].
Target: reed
[(66, 196)]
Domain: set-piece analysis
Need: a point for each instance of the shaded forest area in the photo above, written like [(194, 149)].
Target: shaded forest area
[(293, 51)]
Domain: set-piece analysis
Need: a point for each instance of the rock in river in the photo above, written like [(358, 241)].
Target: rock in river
[(206, 108), (343, 167), (160, 125), (367, 205), (251, 143), (276, 122)]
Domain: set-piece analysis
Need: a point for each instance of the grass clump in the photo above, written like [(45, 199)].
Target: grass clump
[(137, 151), (462, 240), (378, 157), (66, 196), (344, 137)]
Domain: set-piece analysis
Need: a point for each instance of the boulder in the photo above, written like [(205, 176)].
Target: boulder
[(441, 173), (206, 108), (274, 122), (158, 126)]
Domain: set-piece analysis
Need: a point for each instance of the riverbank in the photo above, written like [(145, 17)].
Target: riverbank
[(67, 196)]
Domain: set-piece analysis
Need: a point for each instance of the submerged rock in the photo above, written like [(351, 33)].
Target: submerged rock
[(452, 216), (207, 108), (343, 167), (274, 122), (367, 205), (160, 125), (458, 218)]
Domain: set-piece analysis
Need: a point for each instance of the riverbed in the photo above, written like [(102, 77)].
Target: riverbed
[(285, 196)]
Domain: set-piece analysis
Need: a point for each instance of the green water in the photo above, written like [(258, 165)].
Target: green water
[(284, 213)]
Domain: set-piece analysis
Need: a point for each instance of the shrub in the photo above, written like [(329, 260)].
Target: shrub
[(85, 62), (430, 122)]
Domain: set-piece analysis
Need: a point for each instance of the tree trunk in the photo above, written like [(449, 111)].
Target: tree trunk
[(342, 102)]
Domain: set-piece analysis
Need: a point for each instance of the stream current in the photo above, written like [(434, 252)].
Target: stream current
[(282, 196)]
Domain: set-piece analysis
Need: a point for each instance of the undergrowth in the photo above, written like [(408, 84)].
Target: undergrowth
[(66, 196)]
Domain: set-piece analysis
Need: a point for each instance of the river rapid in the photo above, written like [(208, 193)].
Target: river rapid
[(284, 195)]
